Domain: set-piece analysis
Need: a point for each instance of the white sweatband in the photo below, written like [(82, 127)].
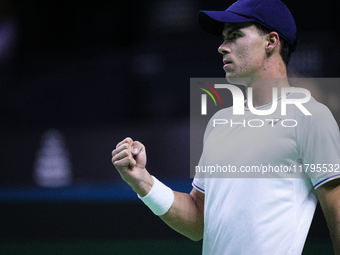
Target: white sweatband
[(160, 198)]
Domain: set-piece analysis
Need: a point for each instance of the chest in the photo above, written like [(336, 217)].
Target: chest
[(251, 140)]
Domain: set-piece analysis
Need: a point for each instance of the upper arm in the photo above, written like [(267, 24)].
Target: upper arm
[(329, 198), (186, 214), (198, 198)]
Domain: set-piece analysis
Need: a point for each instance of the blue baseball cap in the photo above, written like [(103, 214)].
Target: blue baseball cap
[(272, 14)]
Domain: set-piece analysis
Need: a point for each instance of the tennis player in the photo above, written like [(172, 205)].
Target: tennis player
[(263, 216)]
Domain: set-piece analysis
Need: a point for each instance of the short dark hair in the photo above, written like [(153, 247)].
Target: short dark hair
[(286, 49)]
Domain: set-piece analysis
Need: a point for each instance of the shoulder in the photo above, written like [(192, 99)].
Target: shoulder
[(225, 113), (317, 110)]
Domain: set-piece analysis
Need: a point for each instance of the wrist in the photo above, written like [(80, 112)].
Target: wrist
[(144, 187), (159, 199)]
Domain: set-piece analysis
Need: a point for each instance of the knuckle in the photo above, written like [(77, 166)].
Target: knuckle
[(126, 152), (130, 158), (126, 146)]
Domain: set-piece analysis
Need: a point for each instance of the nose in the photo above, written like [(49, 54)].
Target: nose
[(224, 48)]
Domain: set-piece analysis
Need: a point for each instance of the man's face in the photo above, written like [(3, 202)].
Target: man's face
[(243, 52)]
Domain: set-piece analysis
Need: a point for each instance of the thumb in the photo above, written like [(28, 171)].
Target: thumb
[(136, 147)]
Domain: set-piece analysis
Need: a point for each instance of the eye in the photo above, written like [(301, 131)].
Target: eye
[(231, 36), (235, 35)]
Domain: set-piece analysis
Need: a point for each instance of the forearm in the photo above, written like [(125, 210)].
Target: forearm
[(182, 212), (186, 215)]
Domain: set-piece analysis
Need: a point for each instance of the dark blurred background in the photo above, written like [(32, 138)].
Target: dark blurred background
[(76, 77)]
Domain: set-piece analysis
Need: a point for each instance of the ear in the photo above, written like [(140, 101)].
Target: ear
[(273, 40)]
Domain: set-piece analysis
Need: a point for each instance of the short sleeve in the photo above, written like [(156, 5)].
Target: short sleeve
[(319, 145), (198, 183)]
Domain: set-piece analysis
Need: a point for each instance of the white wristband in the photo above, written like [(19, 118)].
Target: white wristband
[(159, 199)]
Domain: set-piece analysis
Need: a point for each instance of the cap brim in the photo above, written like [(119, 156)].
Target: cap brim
[(213, 22)]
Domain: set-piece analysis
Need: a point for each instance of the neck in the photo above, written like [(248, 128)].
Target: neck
[(262, 90), (273, 74)]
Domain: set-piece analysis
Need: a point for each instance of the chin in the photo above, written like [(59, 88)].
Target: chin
[(236, 80)]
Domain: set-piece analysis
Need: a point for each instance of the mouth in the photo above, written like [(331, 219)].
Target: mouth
[(226, 63)]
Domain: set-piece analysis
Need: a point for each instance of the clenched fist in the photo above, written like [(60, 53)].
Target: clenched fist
[(129, 158)]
